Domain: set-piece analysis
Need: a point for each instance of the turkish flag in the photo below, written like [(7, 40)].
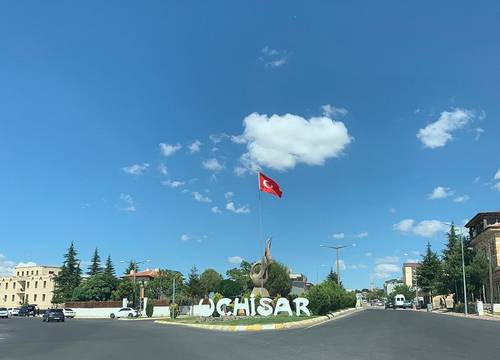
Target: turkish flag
[(268, 185)]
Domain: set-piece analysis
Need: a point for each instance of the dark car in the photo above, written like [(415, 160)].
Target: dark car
[(53, 315), (389, 305), (27, 310)]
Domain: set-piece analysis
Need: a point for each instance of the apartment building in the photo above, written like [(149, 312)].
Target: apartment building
[(28, 285)]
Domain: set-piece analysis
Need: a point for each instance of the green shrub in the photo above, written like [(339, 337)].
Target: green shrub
[(216, 298), (174, 310), (149, 308), (328, 297)]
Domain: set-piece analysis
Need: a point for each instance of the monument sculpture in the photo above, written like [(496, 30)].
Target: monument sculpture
[(259, 278)]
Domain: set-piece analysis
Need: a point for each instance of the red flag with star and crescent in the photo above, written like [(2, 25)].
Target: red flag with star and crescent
[(268, 185)]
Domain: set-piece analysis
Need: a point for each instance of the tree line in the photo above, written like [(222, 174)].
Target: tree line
[(442, 274), (102, 284)]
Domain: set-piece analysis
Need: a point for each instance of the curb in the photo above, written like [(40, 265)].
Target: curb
[(258, 327)]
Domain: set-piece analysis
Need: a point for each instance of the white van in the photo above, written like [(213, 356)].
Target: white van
[(399, 301)]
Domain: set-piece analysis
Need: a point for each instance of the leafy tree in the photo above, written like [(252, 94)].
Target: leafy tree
[(68, 278), (478, 273), (452, 264), (278, 281), (229, 288), (209, 280), (98, 287), (242, 276), (375, 294), (403, 289), (132, 266), (149, 308), (162, 285), (193, 285), (109, 268), (429, 273), (329, 296), (333, 277), (125, 289), (95, 264)]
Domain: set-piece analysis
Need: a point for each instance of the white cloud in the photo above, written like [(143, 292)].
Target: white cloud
[(26, 264), (384, 271), (476, 179), (136, 169), (362, 235), (479, 131), (240, 171), (331, 111), (185, 237), (228, 195), (173, 183), (273, 58), (213, 164), (392, 210), (440, 192), (438, 133), (6, 266), (169, 149), (425, 228), (282, 142), (357, 266), (497, 175), (405, 225), (338, 236), (217, 138), (461, 198), (234, 259), (215, 210), (195, 146), (199, 197), (128, 203), (162, 168), (368, 254), (243, 209), (390, 259)]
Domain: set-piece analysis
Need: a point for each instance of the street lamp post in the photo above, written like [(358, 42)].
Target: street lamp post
[(490, 275), (337, 248), (136, 263)]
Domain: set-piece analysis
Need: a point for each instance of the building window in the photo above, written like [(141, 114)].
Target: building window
[(18, 273), (6, 286), (12, 297), (44, 284), (14, 285), (36, 284), (37, 272), (31, 272), (27, 284), (26, 298), (43, 297), (5, 298), (34, 297)]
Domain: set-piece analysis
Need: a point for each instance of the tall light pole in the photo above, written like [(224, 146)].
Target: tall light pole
[(490, 275), (136, 263), (466, 312), (337, 248)]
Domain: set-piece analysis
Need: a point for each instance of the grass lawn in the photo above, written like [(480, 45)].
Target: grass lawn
[(250, 320)]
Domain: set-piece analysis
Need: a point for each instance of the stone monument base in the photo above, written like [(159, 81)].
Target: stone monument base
[(260, 291)]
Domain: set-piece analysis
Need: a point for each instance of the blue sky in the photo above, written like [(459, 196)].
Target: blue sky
[(378, 120)]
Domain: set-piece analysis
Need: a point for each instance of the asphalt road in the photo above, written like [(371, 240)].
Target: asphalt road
[(371, 334)]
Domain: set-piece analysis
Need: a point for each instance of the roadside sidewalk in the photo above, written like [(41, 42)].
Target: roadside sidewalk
[(487, 317), (261, 327)]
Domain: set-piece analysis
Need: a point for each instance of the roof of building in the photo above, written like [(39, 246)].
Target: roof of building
[(479, 216), (146, 273)]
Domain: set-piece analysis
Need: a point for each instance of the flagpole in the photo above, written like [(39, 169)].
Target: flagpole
[(260, 214)]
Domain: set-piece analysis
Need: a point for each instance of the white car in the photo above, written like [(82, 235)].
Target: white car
[(4, 313), (69, 313), (13, 311), (124, 312)]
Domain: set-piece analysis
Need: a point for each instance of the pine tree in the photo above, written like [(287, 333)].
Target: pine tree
[(452, 264), (95, 264), (132, 266), (193, 286), (109, 269), (68, 278), (332, 277), (429, 273)]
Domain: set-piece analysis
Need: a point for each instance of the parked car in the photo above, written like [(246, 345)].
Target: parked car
[(53, 314), (69, 313), (27, 310), (389, 305), (124, 312), (408, 304), (13, 311), (4, 313)]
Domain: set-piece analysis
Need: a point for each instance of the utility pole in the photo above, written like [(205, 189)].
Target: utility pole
[(173, 290), (337, 248), (466, 312), (490, 275)]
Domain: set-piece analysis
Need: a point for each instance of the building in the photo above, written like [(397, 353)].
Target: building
[(484, 232), (389, 285), (28, 285), (142, 277), (299, 284), (410, 273)]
